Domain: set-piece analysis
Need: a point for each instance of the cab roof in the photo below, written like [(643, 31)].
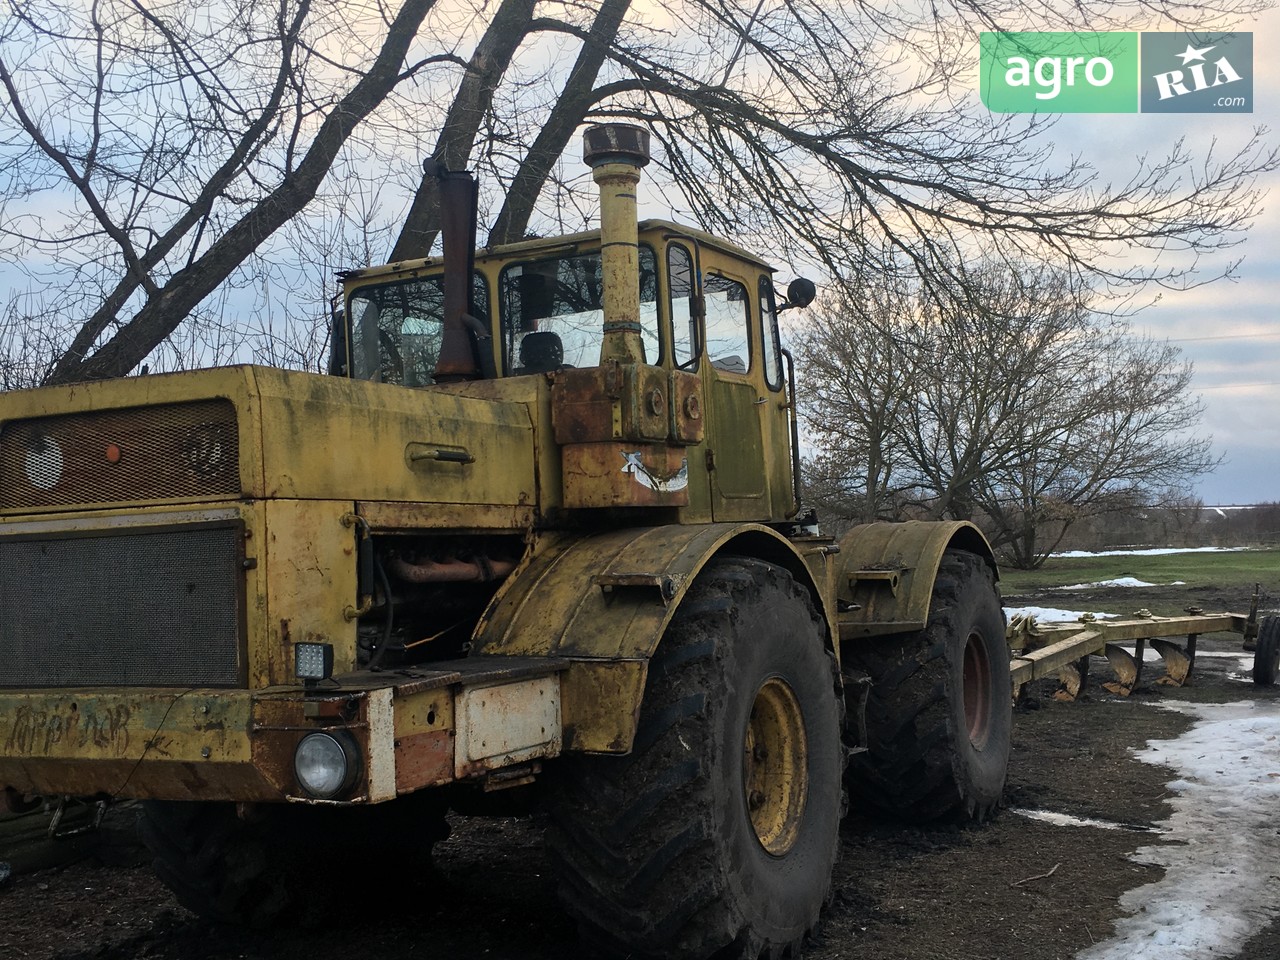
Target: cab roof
[(648, 229)]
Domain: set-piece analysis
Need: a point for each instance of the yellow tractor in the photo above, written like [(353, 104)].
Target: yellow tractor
[(537, 541)]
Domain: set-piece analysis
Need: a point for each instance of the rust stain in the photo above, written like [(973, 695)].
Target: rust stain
[(424, 760)]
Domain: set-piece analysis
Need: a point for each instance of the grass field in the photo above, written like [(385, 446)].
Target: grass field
[(1241, 569)]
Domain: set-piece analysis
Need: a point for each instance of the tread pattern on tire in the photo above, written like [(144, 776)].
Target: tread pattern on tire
[(1266, 655), (911, 769), (212, 862), (632, 835)]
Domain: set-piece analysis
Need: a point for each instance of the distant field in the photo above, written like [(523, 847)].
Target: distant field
[(1240, 569)]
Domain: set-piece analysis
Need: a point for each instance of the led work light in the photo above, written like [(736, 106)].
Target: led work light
[(313, 661)]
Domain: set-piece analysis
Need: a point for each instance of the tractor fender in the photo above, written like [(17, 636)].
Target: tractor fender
[(887, 570), (602, 602)]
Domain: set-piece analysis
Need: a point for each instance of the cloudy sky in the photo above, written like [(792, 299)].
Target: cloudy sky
[(1229, 330)]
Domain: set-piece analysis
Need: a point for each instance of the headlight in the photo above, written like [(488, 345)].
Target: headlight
[(325, 764)]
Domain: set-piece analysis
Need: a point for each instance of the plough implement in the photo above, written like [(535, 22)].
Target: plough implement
[(1041, 650)]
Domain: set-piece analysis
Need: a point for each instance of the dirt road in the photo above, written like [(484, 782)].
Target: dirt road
[(1015, 889)]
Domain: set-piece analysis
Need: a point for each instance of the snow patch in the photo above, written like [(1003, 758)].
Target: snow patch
[(1222, 861), (1066, 820), (1117, 582), (1148, 552), (1052, 614)]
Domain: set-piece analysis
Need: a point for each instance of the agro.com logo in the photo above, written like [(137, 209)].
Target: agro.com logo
[(1117, 72)]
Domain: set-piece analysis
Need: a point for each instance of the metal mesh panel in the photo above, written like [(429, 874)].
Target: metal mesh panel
[(169, 451), (155, 608)]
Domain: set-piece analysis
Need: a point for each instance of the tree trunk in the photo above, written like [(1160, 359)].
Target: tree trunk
[(570, 110), (492, 57), (165, 310)]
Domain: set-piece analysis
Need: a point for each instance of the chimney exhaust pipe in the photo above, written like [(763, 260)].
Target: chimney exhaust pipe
[(616, 152)]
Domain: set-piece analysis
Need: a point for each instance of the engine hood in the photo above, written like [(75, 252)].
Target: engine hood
[(251, 432)]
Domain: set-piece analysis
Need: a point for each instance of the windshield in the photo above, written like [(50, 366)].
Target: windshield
[(396, 329), (552, 315)]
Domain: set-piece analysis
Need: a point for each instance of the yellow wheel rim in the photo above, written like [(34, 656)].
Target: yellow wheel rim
[(776, 767)]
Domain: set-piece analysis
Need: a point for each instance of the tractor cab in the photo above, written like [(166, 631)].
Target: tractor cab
[(659, 343)]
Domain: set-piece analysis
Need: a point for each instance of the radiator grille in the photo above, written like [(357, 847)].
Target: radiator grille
[(145, 608), (169, 451)]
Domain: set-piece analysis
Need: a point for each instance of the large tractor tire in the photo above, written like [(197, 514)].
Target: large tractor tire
[(1266, 654), (717, 834), (939, 713), (260, 870)]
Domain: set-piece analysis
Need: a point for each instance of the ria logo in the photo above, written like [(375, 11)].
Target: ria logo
[(1172, 83), (1197, 73)]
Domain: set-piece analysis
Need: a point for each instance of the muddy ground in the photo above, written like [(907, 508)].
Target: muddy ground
[(1015, 889)]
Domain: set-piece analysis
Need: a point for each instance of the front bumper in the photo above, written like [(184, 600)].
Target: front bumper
[(413, 728)]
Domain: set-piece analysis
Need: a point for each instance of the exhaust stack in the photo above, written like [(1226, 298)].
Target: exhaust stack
[(623, 426), (616, 152)]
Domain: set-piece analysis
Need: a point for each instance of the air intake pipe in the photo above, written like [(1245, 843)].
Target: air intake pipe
[(616, 152)]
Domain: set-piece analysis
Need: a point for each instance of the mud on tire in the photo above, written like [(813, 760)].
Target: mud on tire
[(687, 847), (939, 715)]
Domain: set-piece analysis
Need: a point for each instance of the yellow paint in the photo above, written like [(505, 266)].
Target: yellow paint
[(424, 712), (323, 459), (308, 578), (745, 425), (331, 438), (307, 436), (620, 261), (609, 597), (595, 695), (899, 562), (775, 766), (129, 725)]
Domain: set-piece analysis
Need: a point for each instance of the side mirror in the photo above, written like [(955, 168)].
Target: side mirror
[(800, 293)]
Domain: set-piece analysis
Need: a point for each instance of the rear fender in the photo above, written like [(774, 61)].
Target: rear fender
[(887, 570)]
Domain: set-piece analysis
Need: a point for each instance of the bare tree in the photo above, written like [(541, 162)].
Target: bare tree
[(836, 131), (1128, 436), (173, 147), (156, 216), (1011, 404), (856, 409)]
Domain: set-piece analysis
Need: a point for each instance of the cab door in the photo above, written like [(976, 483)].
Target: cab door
[(723, 326), (735, 441)]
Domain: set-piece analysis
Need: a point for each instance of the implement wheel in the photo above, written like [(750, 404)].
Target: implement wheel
[(718, 833), (1266, 655), (939, 715)]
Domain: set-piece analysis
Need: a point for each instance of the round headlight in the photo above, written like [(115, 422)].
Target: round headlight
[(324, 764)]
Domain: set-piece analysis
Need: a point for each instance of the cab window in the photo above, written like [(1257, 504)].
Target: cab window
[(552, 314), (684, 321), (728, 322), (769, 336), (397, 328)]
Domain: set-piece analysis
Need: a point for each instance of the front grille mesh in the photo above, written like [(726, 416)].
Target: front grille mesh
[(144, 608), (163, 452)]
